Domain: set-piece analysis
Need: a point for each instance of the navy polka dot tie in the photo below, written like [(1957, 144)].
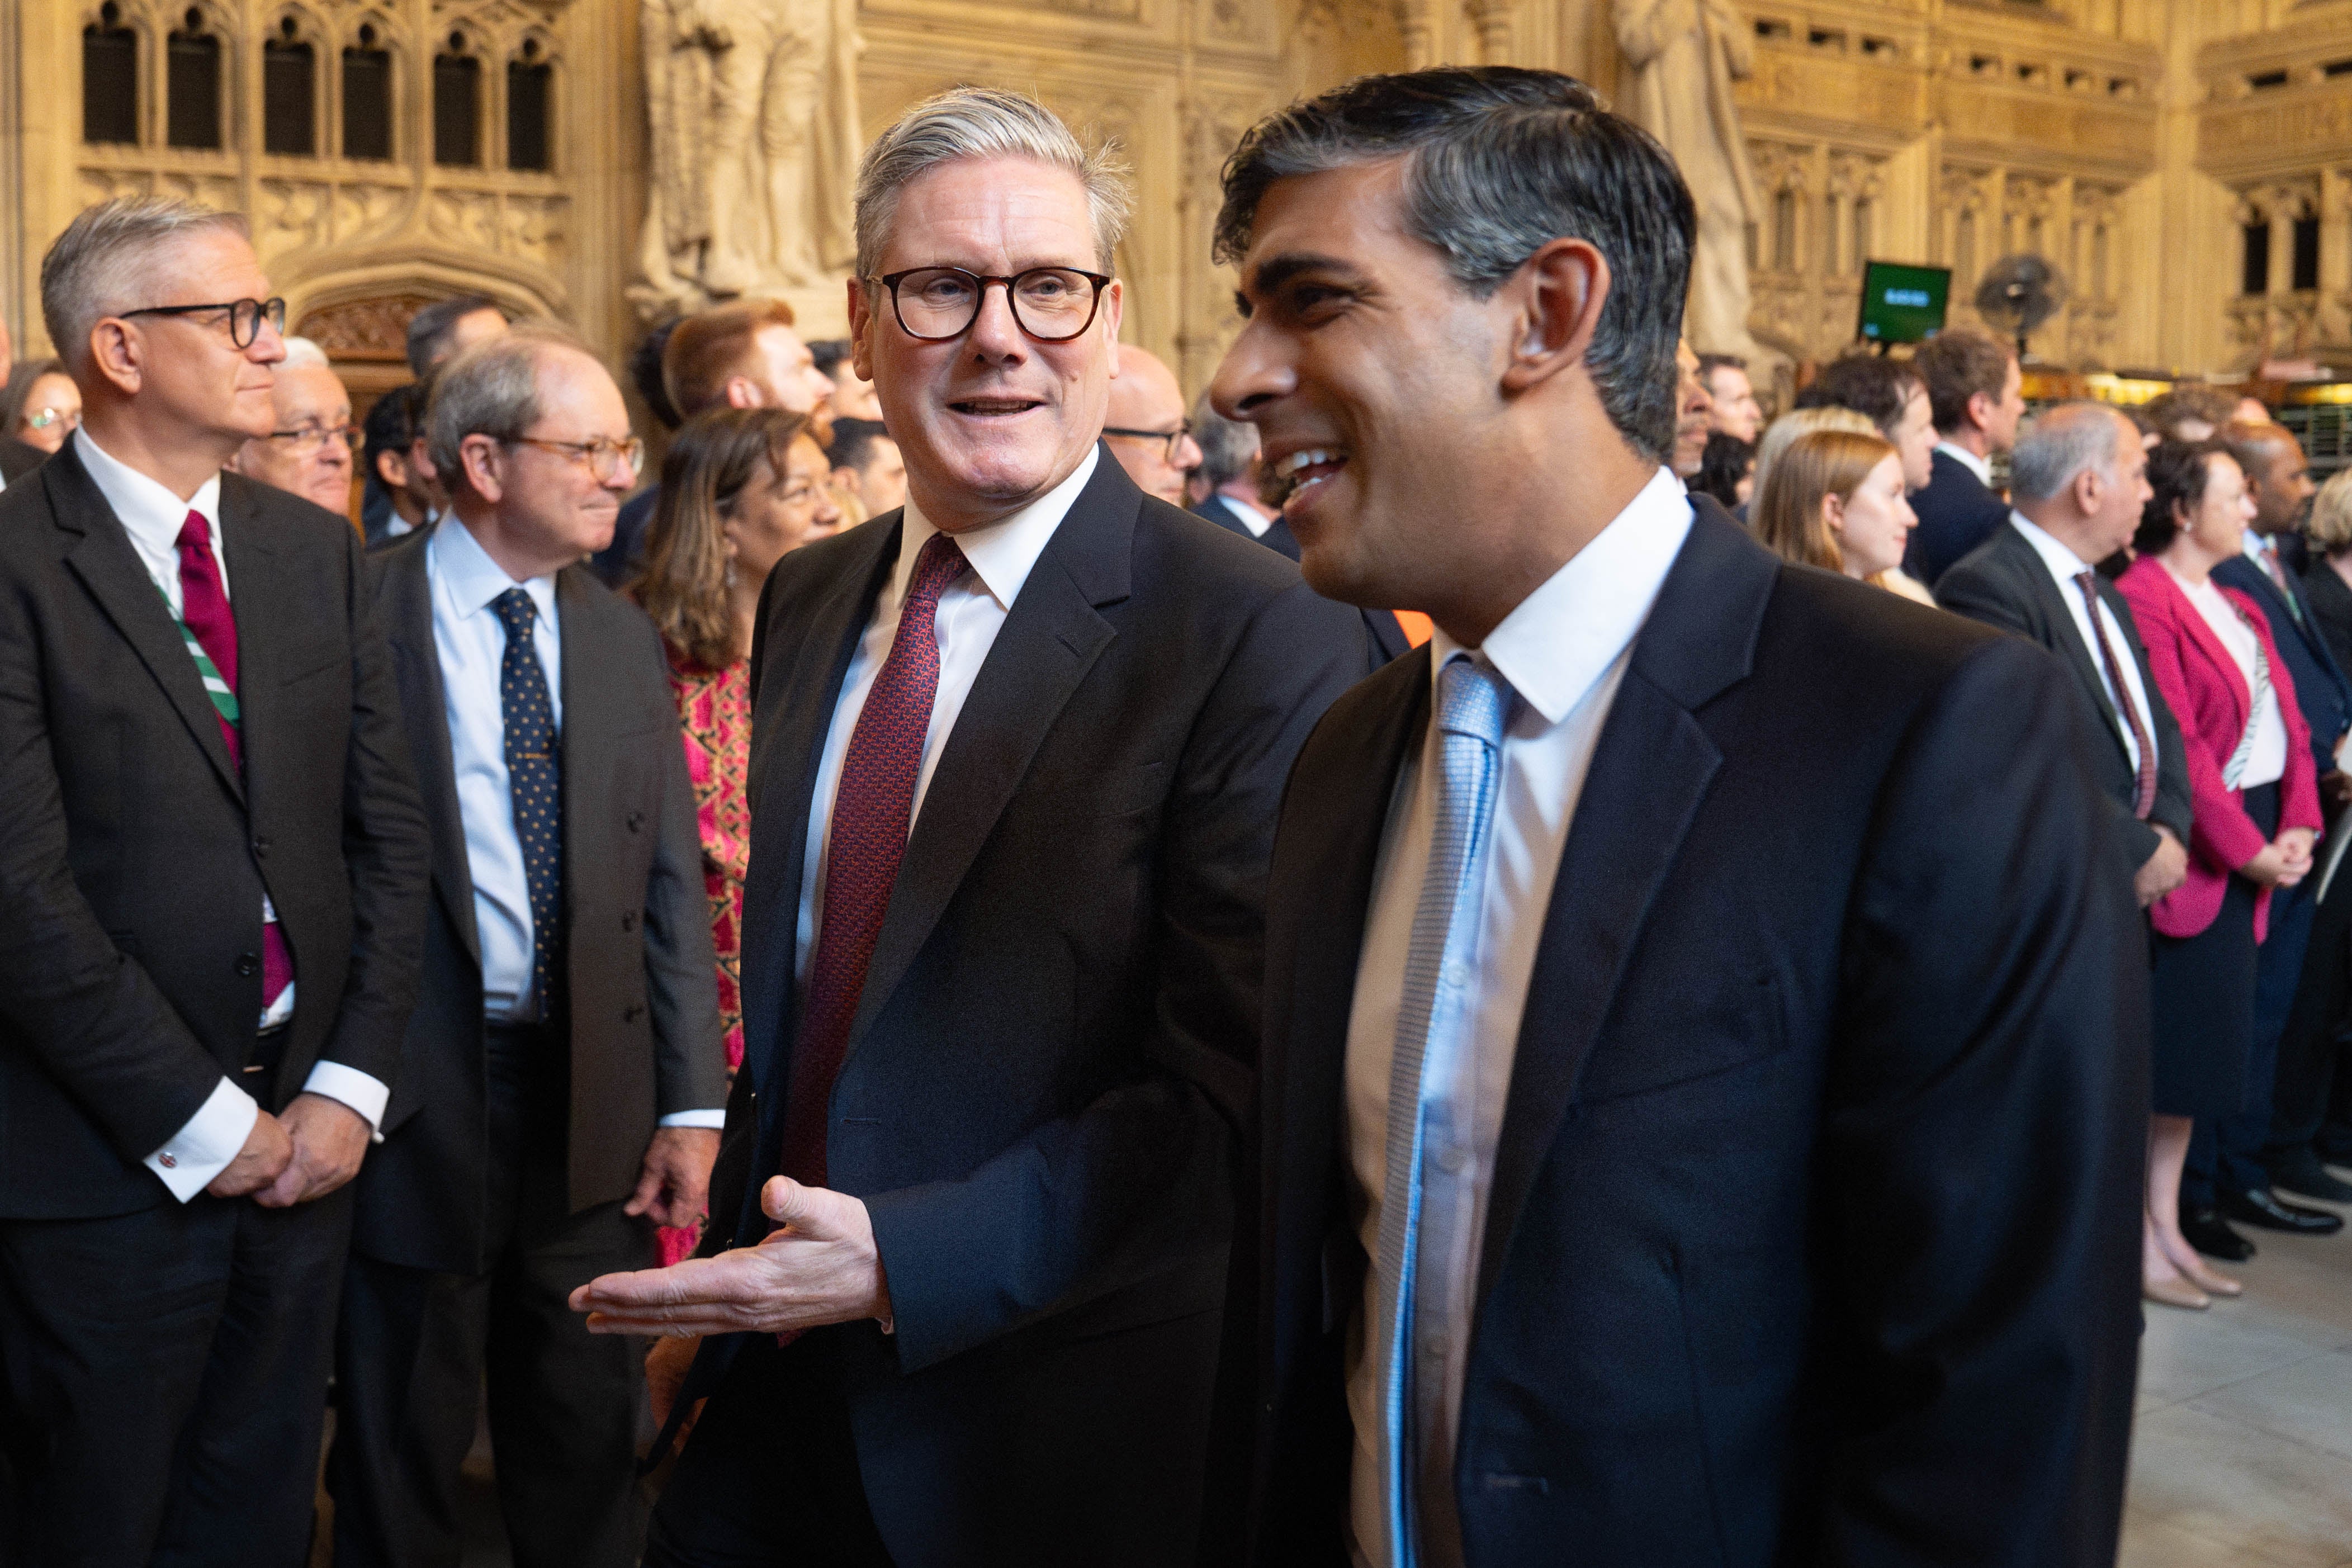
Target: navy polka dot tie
[(534, 784)]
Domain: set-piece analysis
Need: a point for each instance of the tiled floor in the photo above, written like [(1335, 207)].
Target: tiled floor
[(2243, 1453)]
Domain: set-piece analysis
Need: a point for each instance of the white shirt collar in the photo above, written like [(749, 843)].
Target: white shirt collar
[(2063, 563), (148, 510), (1979, 466), (2256, 545), (1004, 553), (1562, 638), (1249, 517), (472, 579)]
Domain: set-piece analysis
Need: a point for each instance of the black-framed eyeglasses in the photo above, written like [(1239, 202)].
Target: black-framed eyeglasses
[(245, 316), (306, 442), (605, 456), (1052, 303), (1175, 439)]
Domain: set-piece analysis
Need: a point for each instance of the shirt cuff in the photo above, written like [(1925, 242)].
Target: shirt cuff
[(203, 1149), (362, 1091), (714, 1120)]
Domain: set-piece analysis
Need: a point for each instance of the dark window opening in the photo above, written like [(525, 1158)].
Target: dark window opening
[(2254, 277), (288, 95), (2306, 253), (2263, 81), (2333, 68), (192, 86), (457, 107), (110, 79), (530, 82), (367, 99)]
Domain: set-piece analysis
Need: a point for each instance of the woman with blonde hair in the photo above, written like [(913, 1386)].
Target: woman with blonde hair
[(2327, 579), (741, 488), (1786, 429), (1834, 499)]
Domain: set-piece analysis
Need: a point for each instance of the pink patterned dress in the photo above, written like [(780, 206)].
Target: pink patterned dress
[(714, 710)]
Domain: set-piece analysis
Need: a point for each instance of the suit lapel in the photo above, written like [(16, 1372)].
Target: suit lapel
[(2068, 635), (1050, 639), (110, 570), (416, 667), (1651, 769), (787, 736)]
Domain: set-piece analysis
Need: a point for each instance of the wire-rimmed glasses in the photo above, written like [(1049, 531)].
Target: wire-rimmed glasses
[(307, 441), (245, 316), (1051, 304), (605, 457)]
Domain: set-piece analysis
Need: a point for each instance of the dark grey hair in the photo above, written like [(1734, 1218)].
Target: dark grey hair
[(111, 258), (490, 389), (2060, 443), (1228, 446), (1503, 161), (983, 122), (430, 329)]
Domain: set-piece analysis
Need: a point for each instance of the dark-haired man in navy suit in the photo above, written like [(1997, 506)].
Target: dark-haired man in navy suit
[(1977, 394)]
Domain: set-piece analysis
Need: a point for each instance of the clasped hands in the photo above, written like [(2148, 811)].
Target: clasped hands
[(307, 1152), (2284, 861), (820, 1266)]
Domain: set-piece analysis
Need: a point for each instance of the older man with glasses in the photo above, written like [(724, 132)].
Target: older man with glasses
[(564, 1081), (212, 896), (309, 453), (1019, 749)]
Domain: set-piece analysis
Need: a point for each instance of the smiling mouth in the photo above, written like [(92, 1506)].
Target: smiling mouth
[(1300, 471), (994, 407)]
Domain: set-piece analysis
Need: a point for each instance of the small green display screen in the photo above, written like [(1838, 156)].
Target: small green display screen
[(1903, 304)]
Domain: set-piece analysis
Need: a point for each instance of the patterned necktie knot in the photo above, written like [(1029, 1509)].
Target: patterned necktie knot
[(938, 564), (1472, 699), (515, 611)]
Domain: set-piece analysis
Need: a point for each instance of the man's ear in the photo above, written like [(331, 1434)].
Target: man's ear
[(119, 352), (485, 468), (391, 470), (861, 319), (1560, 292), (1981, 409)]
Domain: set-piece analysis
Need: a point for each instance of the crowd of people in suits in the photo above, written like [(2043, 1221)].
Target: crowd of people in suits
[(1357, 974), (2181, 562)]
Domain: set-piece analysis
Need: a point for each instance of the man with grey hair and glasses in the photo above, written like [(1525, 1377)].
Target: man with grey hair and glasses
[(1649, 954), (1020, 747), (309, 451), (212, 896), (565, 1077)]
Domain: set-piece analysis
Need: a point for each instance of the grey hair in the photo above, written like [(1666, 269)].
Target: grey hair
[(984, 122), (1228, 446), (2060, 443), (490, 389), (108, 260), (302, 351)]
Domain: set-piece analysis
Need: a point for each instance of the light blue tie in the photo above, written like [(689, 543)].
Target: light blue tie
[(1473, 702)]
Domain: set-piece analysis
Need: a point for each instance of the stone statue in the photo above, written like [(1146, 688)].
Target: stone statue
[(753, 105), (1684, 53)]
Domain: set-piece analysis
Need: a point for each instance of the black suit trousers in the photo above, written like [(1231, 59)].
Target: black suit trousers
[(769, 1477), (417, 1346), (168, 1414)]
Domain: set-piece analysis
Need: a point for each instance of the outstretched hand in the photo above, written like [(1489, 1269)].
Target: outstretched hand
[(821, 1267)]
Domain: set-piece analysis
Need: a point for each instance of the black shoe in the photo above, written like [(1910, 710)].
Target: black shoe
[(2209, 1234), (2300, 1172), (2269, 1213)]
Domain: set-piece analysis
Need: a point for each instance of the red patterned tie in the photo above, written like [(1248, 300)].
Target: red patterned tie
[(203, 610), (2143, 780), (871, 811)]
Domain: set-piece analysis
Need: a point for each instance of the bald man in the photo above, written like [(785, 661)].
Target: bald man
[(308, 449), (1146, 426)]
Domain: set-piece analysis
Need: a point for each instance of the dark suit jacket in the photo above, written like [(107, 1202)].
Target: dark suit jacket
[(1058, 1033), (18, 458), (1811, 1231), (2330, 599), (135, 858), (2004, 583), (642, 983), (1957, 513), (2320, 689), (617, 562), (1382, 625)]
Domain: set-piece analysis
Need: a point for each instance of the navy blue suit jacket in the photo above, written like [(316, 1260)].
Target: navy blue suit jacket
[(1387, 633), (2320, 688), (1957, 513)]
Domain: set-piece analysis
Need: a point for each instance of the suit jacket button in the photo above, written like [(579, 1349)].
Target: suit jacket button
[(247, 963), (261, 846), (632, 1013), (628, 920), (635, 819)]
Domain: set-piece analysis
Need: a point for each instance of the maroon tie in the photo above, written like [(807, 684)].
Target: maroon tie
[(2144, 783), (204, 609), (871, 810)]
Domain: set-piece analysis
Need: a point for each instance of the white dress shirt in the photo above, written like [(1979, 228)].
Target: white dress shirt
[(2266, 764), (2065, 567), (471, 642), (1979, 466), (1564, 650), (1249, 517), (152, 517), (971, 610)]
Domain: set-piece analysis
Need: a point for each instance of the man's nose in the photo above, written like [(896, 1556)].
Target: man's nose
[(1252, 372), (995, 332)]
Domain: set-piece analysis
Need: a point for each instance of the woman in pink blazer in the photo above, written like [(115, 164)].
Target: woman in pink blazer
[(2257, 813)]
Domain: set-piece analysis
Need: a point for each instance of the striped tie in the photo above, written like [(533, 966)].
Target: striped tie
[(1473, 701)]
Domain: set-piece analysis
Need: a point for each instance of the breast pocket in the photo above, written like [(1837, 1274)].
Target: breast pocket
[(1737, 1020)]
